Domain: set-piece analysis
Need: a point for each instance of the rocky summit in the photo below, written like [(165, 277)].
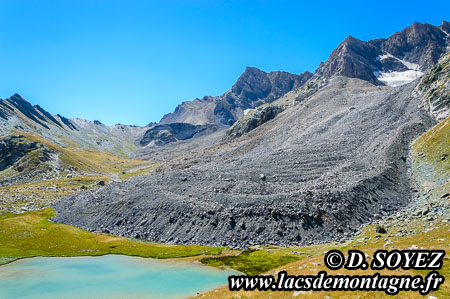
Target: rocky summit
[(402, 57), (252, 89)]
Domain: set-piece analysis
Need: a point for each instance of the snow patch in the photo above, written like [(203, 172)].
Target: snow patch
[(397, 78), (409, 65), (246, 111)]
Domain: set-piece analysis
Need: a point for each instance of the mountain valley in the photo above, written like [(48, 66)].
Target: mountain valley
[(280, 161)]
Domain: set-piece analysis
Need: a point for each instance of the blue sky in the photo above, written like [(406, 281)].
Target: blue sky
[(132, 61)]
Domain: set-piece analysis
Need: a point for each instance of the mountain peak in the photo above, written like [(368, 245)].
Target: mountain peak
[(350, 38), (252, 69), (419, 43), (256, 87), (253, 88), (18, 98), (353, 58), (34, 113), (251, 75), (416, 47)]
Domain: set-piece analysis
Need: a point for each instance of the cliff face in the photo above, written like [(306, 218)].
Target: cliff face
[(353, 58), (163, 134), (422, 44)]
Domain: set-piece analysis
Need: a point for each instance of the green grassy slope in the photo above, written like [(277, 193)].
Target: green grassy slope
[(35, 182)]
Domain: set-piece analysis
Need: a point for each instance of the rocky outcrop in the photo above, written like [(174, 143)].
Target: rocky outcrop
[(252, 89), (13, 148), (17, 107), (434, 89), (163, 134), (255, 87), (67, 122), (252, 120), (353, 58), (23, 159)]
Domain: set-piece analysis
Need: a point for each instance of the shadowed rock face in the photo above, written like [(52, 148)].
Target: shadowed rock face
[(330, 164), (257, 118), (12, 148), (163, 134), (67, 122), (420, 43), (353, 58), (253, 88), (23, 160)]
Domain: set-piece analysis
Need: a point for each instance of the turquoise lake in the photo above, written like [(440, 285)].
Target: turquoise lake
[(110, 276)]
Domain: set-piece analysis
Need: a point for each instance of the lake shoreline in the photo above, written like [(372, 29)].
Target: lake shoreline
[(195, 260), (109, 275), (31, 234)]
